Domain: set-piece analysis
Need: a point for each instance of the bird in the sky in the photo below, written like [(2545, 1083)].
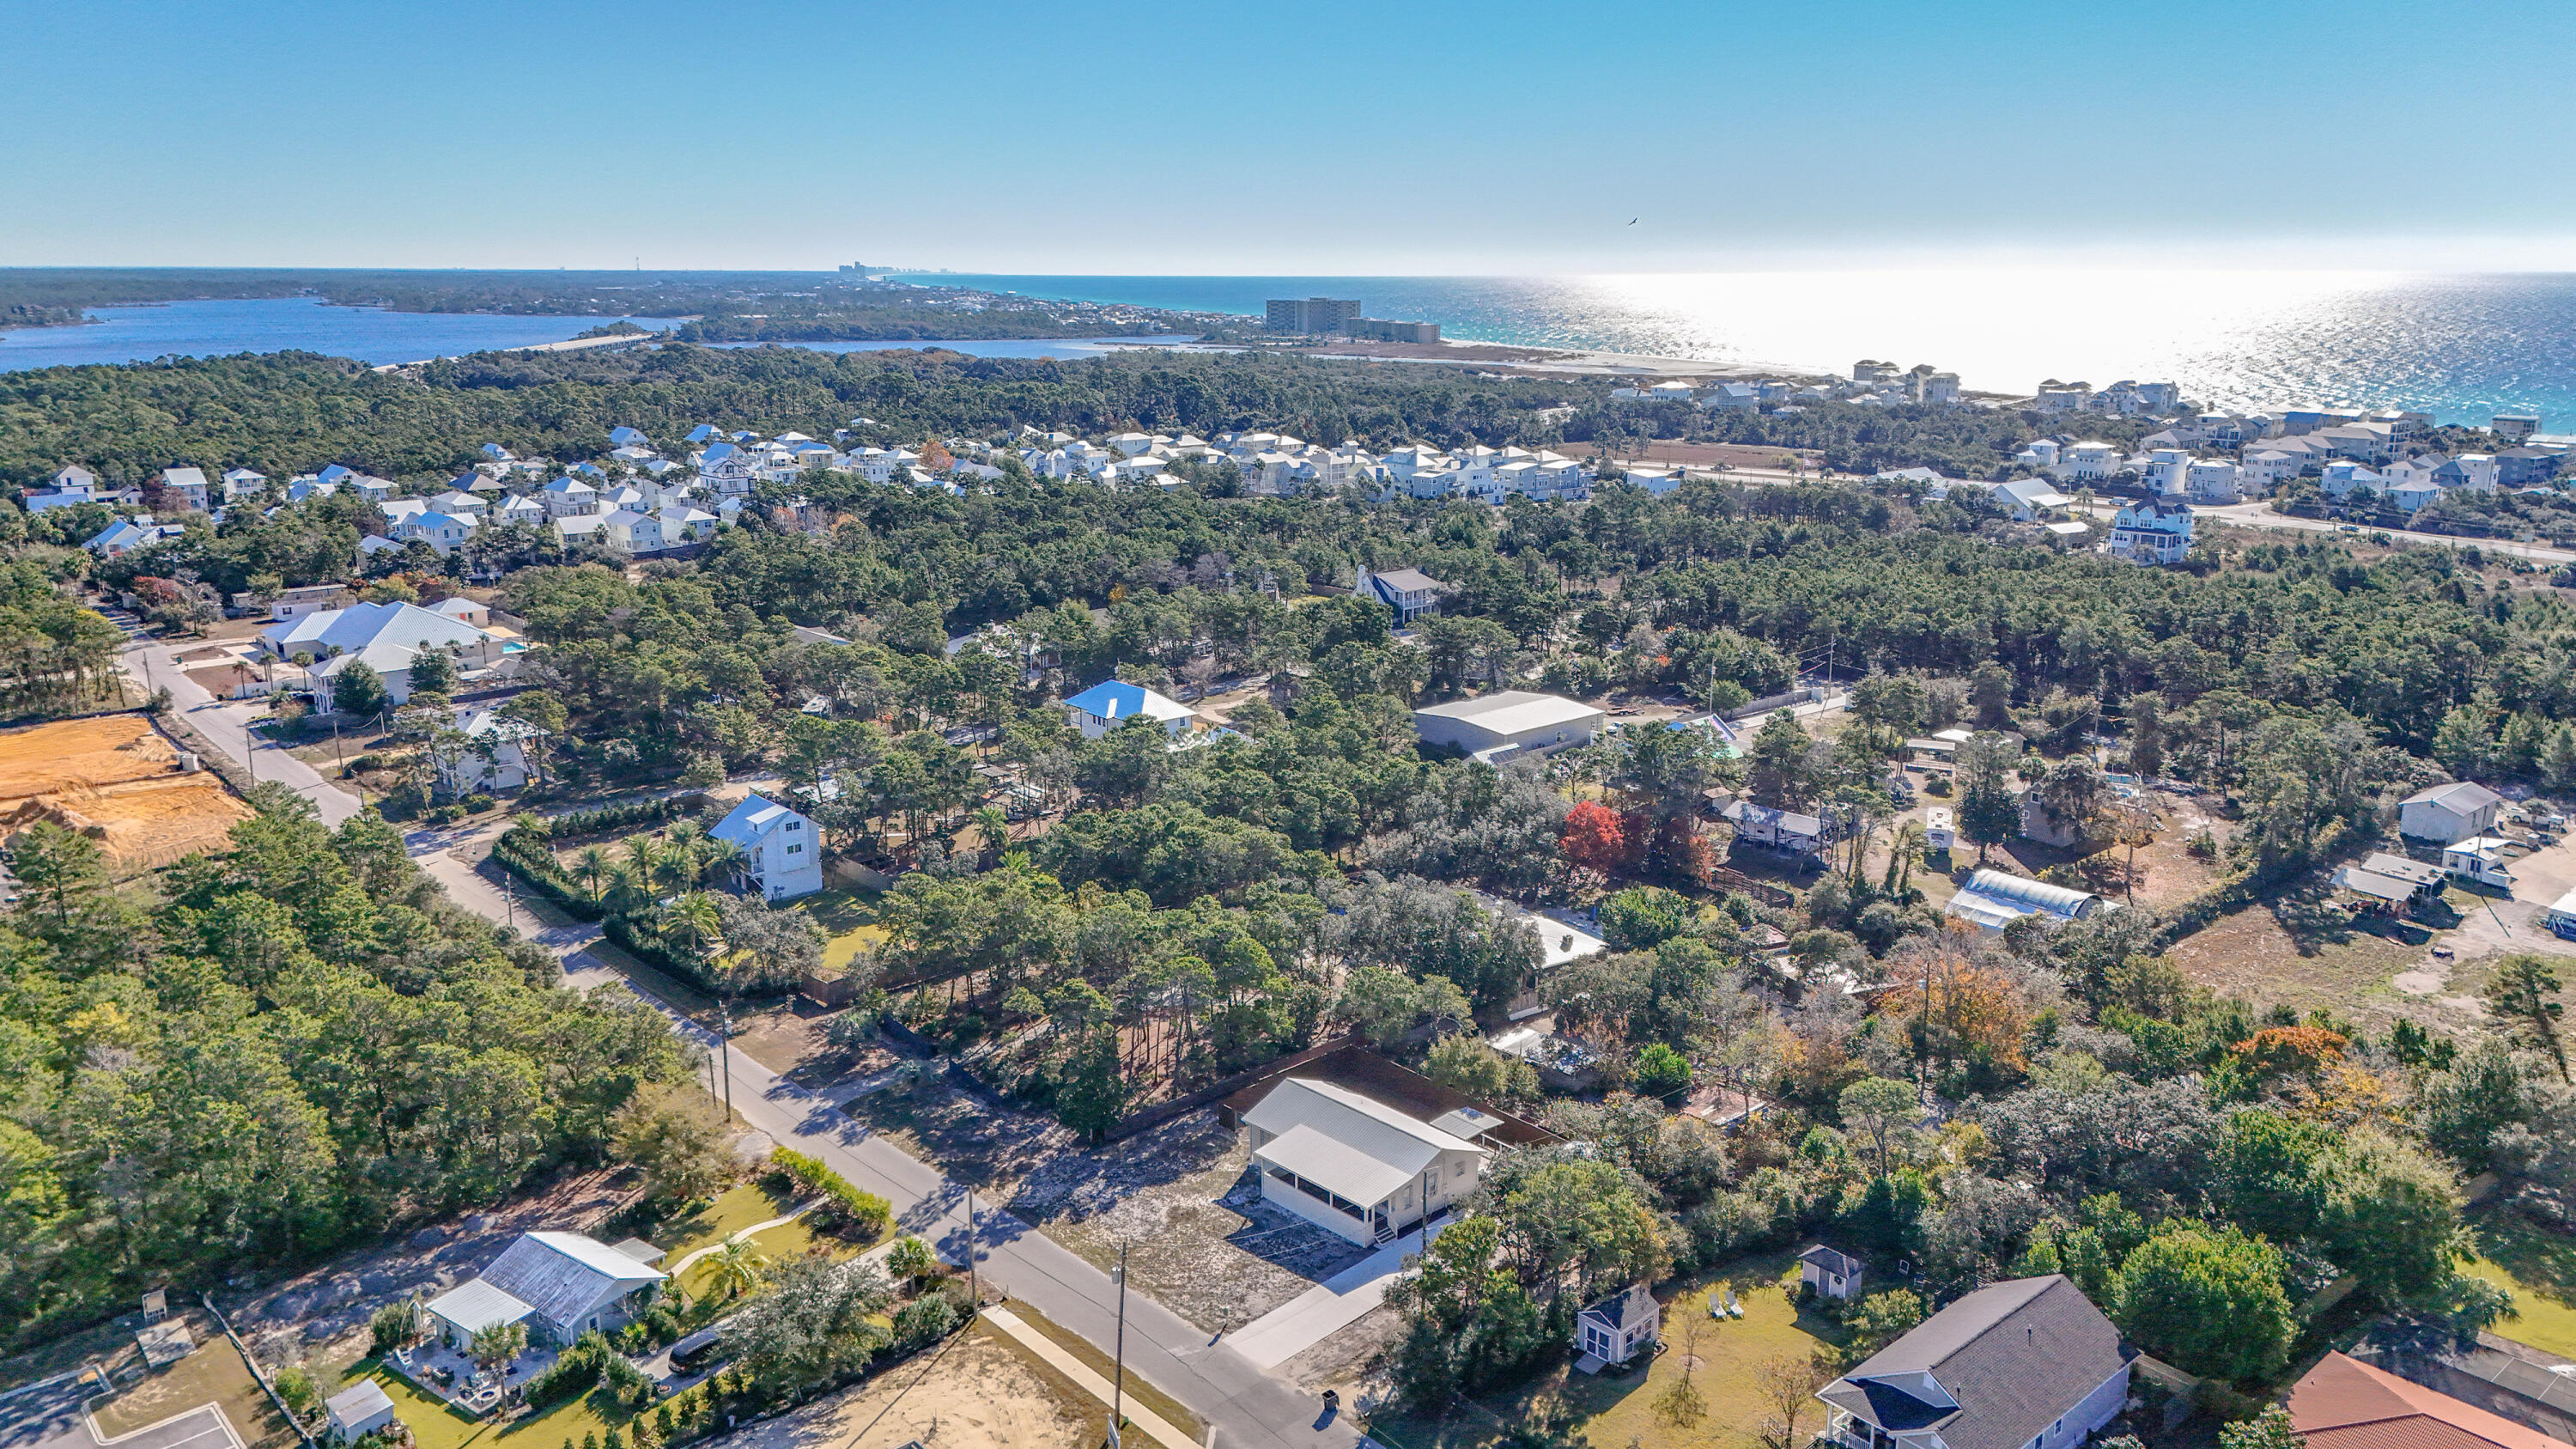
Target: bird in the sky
[(1632, 221)]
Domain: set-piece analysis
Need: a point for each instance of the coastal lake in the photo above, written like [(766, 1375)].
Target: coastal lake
[(282, 324), (377, 336)]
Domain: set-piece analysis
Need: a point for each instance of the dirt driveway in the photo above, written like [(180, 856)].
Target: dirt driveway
[(2494, 926)]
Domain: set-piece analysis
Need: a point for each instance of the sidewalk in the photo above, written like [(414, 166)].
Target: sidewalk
[(1139, 1419), (1325, 1309)]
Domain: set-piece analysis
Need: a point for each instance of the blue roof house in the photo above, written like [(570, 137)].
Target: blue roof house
[(1104, 707)]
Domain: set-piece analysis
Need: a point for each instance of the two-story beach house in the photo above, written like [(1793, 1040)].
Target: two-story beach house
[(783, 850)]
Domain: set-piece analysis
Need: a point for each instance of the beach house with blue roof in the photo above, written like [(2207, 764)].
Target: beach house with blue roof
[(1104, 707), (782, 851)]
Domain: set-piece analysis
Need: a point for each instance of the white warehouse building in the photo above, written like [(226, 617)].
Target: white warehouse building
[(1497, 726)]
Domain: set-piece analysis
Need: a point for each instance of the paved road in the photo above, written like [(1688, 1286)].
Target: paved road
[(1248, 1408), (226, 724)]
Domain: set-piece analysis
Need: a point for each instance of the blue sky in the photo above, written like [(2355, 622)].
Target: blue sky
[(1315, 138)]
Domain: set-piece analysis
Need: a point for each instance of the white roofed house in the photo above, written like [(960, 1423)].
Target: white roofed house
[(518, 508), (361, 1409), (2448, 814), (2026, 499), (683, 524), (560, 1285), (2211, 480), (1410, 592), (783, 852), (1354, 1166), (632, 532), (494, 755), (1495, 727), (184, 488), (569, 497), (387, 637), (239, 481)]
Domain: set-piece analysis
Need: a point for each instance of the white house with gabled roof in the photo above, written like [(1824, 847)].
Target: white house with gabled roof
[(561, 1285), (1354, 1166), (783, 850)]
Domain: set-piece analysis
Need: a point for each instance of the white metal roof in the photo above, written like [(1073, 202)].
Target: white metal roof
[(1344, 1142), (2460, 796), (1513, 711), (359, 1402), (477, 1305), (564, 1275)]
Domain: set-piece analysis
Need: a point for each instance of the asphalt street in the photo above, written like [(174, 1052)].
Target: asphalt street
[(1245, 1405)]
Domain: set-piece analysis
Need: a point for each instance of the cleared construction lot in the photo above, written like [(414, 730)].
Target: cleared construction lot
[(119, 781)]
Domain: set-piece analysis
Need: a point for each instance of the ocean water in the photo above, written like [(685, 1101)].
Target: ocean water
[(281, 324), (2460, 346)]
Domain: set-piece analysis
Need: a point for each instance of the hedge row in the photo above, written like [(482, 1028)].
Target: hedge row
[(525, 854), (841, 1199), (621, 816)]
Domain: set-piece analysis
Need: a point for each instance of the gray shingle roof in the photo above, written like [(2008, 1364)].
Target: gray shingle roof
[(1632, 1304), (2008, 1387)]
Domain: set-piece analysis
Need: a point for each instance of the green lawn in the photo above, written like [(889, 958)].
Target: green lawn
[(849, 918), (2539, 1267), (1612, 1411), (733, 1210), (436, 1426), (780, 1244)]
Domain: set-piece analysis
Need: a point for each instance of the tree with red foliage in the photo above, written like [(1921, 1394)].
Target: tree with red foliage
[(1594, 838)]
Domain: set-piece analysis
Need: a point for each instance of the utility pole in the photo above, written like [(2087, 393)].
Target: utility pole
[(1118, 1386), (724, 1050)]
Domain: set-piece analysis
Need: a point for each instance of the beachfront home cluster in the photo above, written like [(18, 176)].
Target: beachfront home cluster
[(2356, 455), (1872, 383)]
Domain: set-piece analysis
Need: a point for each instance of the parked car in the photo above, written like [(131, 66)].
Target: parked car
[(698, 1350)]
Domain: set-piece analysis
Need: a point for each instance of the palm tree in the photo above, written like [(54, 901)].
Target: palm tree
[(726, 862), (625, 889), (687, 852), (498, 1345), (644, 860), (694, 916), (590, 867), (735, 1268), (995, 827)]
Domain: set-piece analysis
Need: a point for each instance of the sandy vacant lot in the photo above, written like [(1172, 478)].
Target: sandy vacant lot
[(117, 779), (980, 1394), (82, 754)]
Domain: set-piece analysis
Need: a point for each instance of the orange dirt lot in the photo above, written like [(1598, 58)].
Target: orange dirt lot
[(117, 780), (77, 754)]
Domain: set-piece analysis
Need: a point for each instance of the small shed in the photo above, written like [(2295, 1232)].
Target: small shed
[(359, 1410), (1612, 1330), (1832, 1274)]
